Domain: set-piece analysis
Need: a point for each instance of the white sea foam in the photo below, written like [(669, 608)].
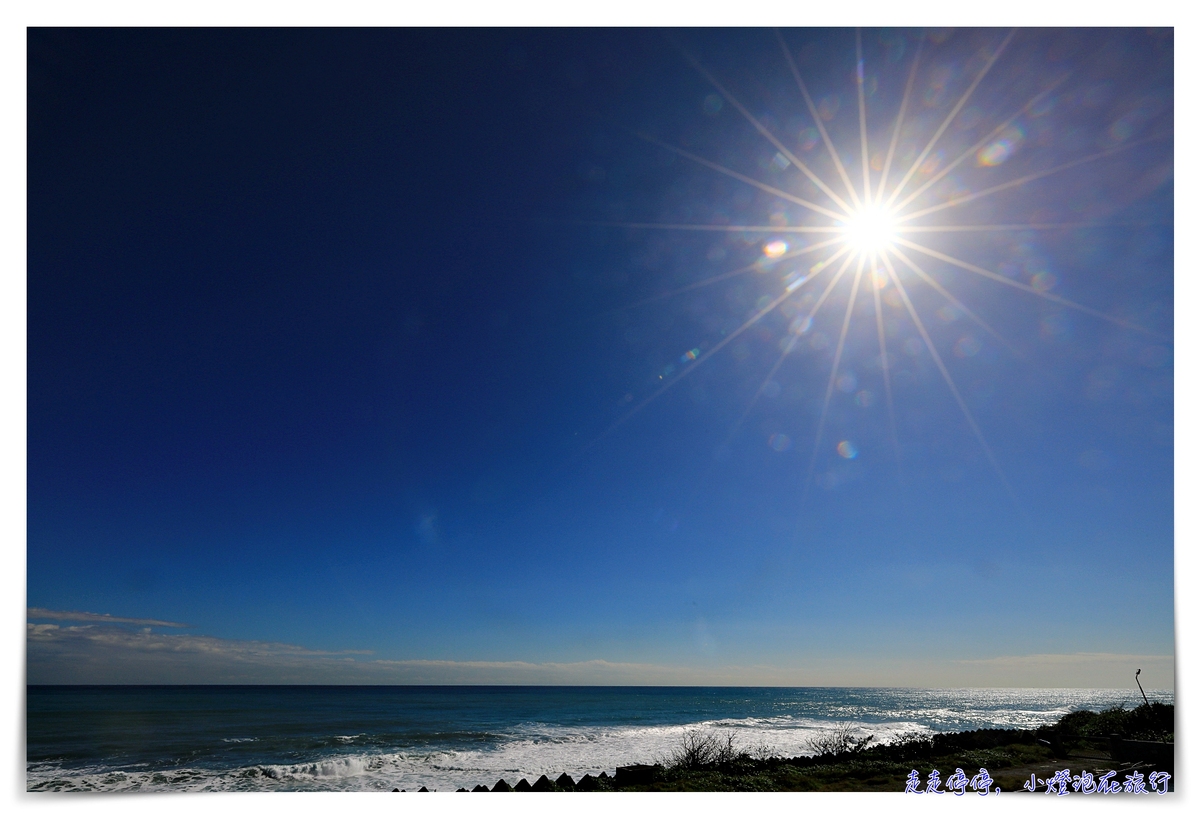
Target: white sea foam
[(532, 751)]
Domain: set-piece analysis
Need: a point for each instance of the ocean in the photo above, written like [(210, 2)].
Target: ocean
[(256, 738)]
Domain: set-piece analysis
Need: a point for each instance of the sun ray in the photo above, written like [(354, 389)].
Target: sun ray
[(950, 118), (932, 282), (949, 380), (791, 344), (749, 268), (762, 129), (829, 288), (862, 114), (827, 229), (941, 174), (883, 360), (787, 350), (740, 177), (837, 358), (979, 228), (1042, 174), (751, 321), (912, 76), (1020, 285), (818, 268), (717, 228), (812, 109)]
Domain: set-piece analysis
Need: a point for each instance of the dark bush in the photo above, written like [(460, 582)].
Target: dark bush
[(700, 749), (837, 741), (1146, 722)]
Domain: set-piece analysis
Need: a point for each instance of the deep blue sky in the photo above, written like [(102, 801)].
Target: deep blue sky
[(326, 346)]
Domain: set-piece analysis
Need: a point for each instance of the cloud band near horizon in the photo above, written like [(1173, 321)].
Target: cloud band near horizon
[(104, 653)]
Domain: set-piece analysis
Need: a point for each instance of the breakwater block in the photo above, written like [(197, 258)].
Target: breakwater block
[(480, 788), (522, 786), (587, 783), (462, 789), (422, 790), (564, 782), (543, 784), (501, 786), (636, 774)]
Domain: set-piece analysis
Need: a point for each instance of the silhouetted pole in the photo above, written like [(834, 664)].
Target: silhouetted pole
[(1135, 678)]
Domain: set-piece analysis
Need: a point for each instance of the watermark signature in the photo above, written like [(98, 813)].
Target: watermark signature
[(1061, 783), (957, 783)]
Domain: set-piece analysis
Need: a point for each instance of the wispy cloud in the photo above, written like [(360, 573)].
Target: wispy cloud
[(81, 616), (104, 654), (107, 653)]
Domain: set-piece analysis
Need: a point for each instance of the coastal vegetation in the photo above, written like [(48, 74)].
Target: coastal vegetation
[(1116, 739)]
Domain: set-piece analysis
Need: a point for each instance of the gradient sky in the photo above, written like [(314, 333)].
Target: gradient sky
[(342, 354)]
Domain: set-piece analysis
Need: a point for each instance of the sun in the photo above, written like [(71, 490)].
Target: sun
[(870, 229), (876, 230)]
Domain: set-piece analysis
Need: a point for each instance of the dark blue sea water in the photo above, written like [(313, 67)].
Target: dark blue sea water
[(377, 738)]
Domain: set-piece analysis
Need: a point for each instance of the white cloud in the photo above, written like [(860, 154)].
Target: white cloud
[(81, 616)]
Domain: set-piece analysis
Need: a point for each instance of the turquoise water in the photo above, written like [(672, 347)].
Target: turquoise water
[(376, 738)]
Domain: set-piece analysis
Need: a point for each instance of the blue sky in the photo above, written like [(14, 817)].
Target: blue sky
[(342, 345)]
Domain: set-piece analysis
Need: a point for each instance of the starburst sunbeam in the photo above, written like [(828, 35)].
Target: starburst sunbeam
[(908, 87), (974, 149), (1057, 299), (1007, 228), (801, 327), (937, 359), (753, 267), (862, 115), (881, 217), (741, 177), (883, 365), (758, 126), (837, 358), (716, 228), (967, 311), (1032, 177), (754, 319), (950, 117), (812, 109)]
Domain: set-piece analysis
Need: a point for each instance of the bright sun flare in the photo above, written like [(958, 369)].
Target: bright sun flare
[(870, 229), (880, 225)]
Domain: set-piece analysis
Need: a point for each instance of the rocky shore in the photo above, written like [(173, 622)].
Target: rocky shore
[(1085, 744)]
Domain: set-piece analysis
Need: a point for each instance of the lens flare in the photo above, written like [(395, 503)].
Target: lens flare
[(780, 442)]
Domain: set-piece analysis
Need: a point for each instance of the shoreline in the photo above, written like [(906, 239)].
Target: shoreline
[(1085, 744)]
